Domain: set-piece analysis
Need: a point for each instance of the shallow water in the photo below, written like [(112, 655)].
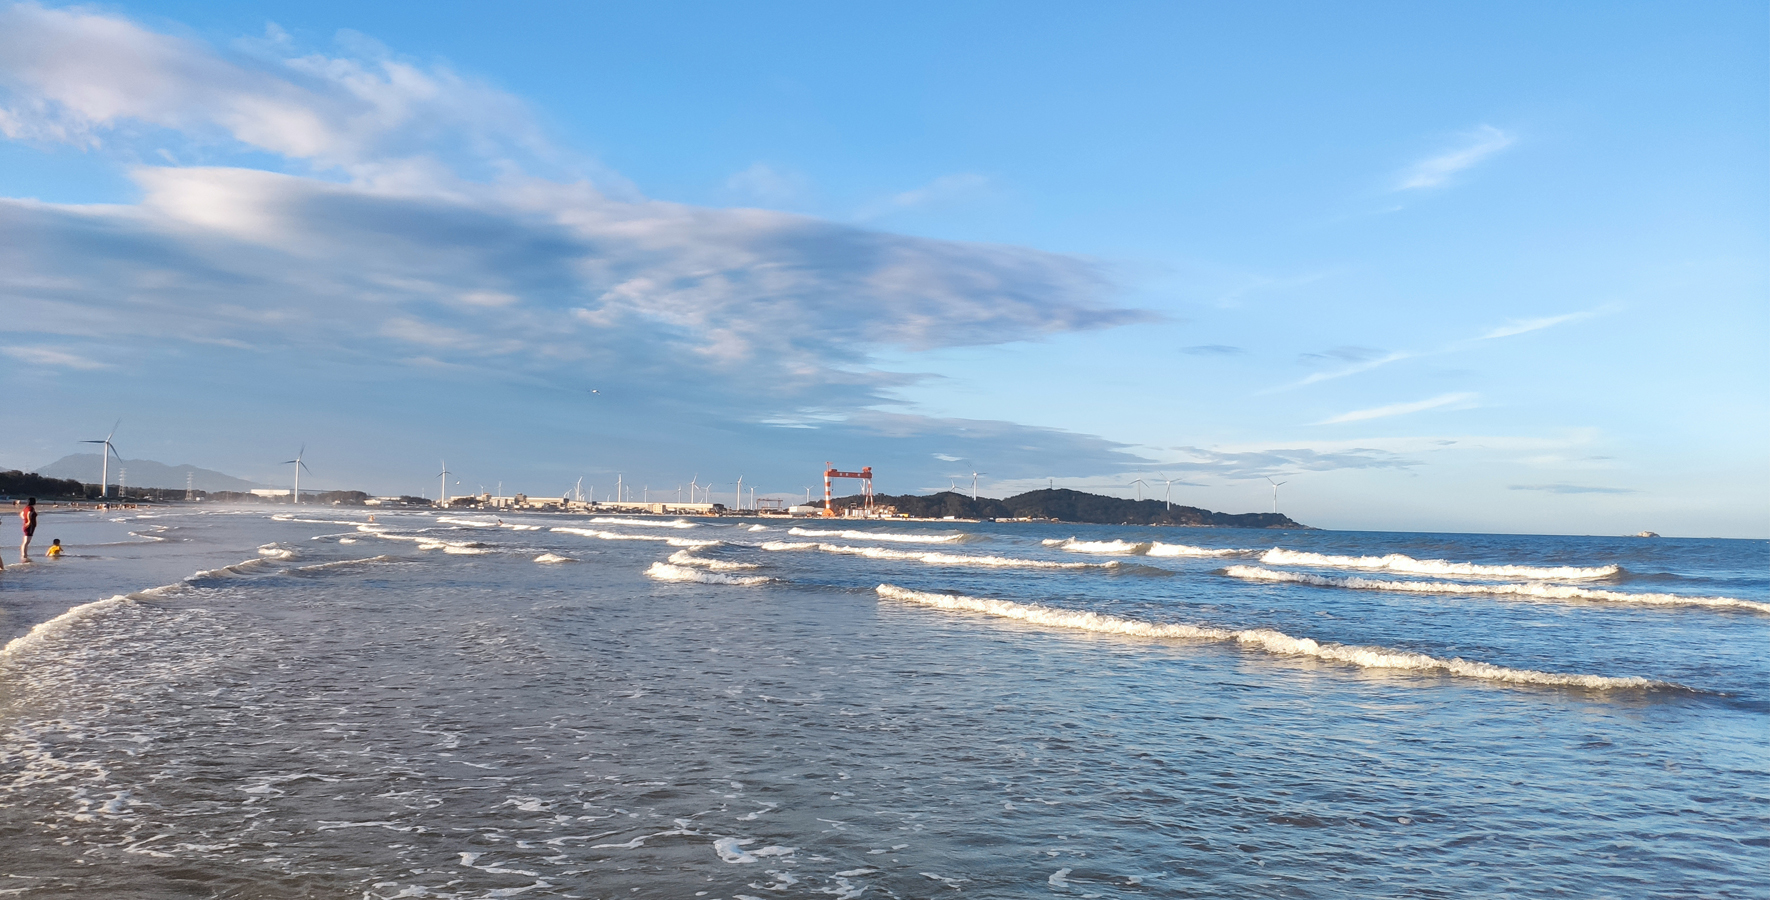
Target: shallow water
[(455, 709)]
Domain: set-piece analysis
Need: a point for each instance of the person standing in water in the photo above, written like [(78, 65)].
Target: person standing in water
[(28, 517)]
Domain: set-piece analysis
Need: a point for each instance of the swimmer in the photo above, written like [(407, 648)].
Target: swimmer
[(55, 548)]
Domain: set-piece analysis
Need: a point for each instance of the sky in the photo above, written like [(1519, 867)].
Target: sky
[(1480, 267)]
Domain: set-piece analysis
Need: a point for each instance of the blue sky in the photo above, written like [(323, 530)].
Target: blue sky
[(1476, 267)]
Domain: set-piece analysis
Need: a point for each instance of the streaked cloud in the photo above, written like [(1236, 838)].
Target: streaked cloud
[(1571, 489), (1434, 171), (1525, 326), (47, 356), (403, 217), (1343, 371), (1443, 401), (946, 189)]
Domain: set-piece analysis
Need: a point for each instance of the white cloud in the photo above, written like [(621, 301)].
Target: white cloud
[(946, 189), (411, 220), (1343, 371), (768, 185), (45, 356), (1483, 142), (1443, 401), (1524, 326)]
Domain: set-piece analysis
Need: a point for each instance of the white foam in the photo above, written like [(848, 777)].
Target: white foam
[(938, 559), (343, 563), (553, 558), (1530, 591), (272, 551), (674, 523), (881, 536), (482, 522), (686, 558), (1264, 639), (663, 571), (1396, 562), (758, 528), (44, 631), (622, 536), (1124, 547), (1160, 549)]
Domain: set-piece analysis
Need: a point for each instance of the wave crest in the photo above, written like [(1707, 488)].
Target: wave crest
[(663, 571), (1267, 640), (1396, 562), (1531, 591)]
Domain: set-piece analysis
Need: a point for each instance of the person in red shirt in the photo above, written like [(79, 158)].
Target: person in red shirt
[(28, 516)]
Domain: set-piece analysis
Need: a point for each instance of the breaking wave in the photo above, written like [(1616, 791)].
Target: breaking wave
[(663, 571), (1266, 640), (1395, 562), (272, 551), (937, 559), (551, 558), (950, 537), (1532, 591), (70, 619), (343, 564), (1160, 549), (620, 536), (687, 558), (1124, 547), (611, 520)]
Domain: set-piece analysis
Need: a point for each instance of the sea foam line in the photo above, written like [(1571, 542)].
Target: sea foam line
[(1265, 639), (618, 536), (1531, 591), (937, 559), (663, 571), (1396, 562), (881, 536), (687, 558), (674, 523)]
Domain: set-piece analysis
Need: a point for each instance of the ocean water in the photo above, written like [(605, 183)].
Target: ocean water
[(240, 703)]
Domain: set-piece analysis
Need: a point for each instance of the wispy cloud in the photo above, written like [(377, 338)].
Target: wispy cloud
[(1443, 401), (1525, 326), (1571, 489), (762, 183), (45, 356), (395, 208), (1343, 371), (946, 189), (1432, 172)]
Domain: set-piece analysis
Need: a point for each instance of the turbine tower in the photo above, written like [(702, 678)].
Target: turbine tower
[(1139, 484), (104, 469), (974, 485), (443, 481), (1275, 485), (295, 498), (1168, 495)]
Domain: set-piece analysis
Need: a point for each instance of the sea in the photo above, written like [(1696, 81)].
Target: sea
[(309, 702)]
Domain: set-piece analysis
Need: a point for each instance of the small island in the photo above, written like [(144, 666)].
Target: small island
[(1063, 505)]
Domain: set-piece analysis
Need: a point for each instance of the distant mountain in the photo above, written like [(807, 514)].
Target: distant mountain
[(1071, 506), (145, 473)]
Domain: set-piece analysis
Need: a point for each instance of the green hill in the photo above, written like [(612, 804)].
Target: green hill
[(1070, 506)]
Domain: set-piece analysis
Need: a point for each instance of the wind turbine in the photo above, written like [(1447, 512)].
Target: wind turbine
[(1275, 485), (580, 489), (740, 497), (619, 483), (299, 465), (1139, 484), (974, 485), (1168, 496), (104, 471), (443, 482), (694, 485)]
